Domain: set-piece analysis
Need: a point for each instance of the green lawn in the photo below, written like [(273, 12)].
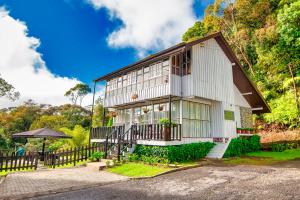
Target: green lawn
[(264, 158), (138, 169), (280, 156)]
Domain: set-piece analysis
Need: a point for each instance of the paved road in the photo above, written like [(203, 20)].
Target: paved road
[(240, 182)]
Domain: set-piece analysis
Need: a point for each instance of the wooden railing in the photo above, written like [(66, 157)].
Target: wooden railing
[(102, 132), (138, 132), (157, 132)]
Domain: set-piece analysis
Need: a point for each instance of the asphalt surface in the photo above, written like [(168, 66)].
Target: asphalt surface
[(209, 182)]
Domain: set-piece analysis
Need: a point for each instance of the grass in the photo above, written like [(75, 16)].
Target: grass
[(132, 169), (280, 156), (4, 173), (264, 158)]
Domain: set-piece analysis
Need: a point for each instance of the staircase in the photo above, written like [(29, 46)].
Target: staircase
[(218, 150), (119, 141)]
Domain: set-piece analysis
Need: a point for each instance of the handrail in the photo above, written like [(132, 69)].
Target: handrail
[(112, 137)]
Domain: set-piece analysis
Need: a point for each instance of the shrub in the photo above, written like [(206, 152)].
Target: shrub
[(133, 157), (241, 145), (178, 153), (96, 156), (279, 147), (107, 163)]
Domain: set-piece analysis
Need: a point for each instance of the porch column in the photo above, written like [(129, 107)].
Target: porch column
[(170, 107), (180, 111), (152, 114)]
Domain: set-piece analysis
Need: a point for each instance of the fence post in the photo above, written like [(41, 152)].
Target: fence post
[(1, 161), (86, 152), (11, 160), (75, 156), (36, 161), (119, 143), (54, 159)]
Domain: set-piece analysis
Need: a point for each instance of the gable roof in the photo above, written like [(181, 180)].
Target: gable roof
[(240, 79)]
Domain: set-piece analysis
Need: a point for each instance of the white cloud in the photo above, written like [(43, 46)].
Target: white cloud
[(22, 66), (148, 24)]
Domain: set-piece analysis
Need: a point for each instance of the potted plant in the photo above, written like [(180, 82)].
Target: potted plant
[(112, 114), (244, 131), (238, 131), (166, 128), (145, 110), (160, 107), (96, 156), (134, 96)]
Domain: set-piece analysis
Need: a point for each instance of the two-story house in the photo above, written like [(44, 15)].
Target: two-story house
[(199, 85)]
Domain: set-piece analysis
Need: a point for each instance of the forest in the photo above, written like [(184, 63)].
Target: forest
[(264, 34)]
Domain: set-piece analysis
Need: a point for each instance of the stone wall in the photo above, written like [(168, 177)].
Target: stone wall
[(246, 117)]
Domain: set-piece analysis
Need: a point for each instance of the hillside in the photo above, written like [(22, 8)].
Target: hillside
[(265, 35)]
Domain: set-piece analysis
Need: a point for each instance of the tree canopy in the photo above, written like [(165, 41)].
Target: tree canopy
[(265, 36), (7, 90), (77, 93)]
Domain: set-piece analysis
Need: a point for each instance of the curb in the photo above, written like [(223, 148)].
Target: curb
[(57, 191)]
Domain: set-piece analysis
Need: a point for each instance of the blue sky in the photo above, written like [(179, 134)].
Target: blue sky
[(76, 37)]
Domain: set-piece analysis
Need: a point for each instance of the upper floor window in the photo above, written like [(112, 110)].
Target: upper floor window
[(175, 64), (176, 60), (186, 67)]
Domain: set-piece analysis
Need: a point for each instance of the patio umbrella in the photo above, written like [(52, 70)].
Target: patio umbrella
[(41, 133)]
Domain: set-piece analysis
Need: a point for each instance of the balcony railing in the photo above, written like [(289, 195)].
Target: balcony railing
[(157, 132)]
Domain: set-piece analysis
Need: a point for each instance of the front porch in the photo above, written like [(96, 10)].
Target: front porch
[(146, 132)]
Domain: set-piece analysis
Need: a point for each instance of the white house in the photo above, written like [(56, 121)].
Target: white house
[(199, 85)]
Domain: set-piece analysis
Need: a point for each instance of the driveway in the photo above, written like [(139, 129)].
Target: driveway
[(26, 184), (209, 182)]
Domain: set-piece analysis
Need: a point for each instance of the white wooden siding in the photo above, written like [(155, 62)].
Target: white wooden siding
[(229, 125), (175, 85), (237, 115), (148, 93), (211, 75), (239, 99), (217, 119)]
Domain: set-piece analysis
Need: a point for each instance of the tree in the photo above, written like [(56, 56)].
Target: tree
[(80, 136), (53, 121), (98, 113), (265, 36), (7, 90), (77, 93), (75, 115), (195, 32)]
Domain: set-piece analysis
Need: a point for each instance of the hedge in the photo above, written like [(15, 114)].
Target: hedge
[(176, 153), (241, 145)]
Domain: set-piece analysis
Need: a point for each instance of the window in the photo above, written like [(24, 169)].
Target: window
[(229, 115), (124, 83), (186, 67), (146, 77), (120, 85), (139, 79), (196, 119), (176, 64)]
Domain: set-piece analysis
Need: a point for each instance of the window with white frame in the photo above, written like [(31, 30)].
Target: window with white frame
[(196, 120)]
